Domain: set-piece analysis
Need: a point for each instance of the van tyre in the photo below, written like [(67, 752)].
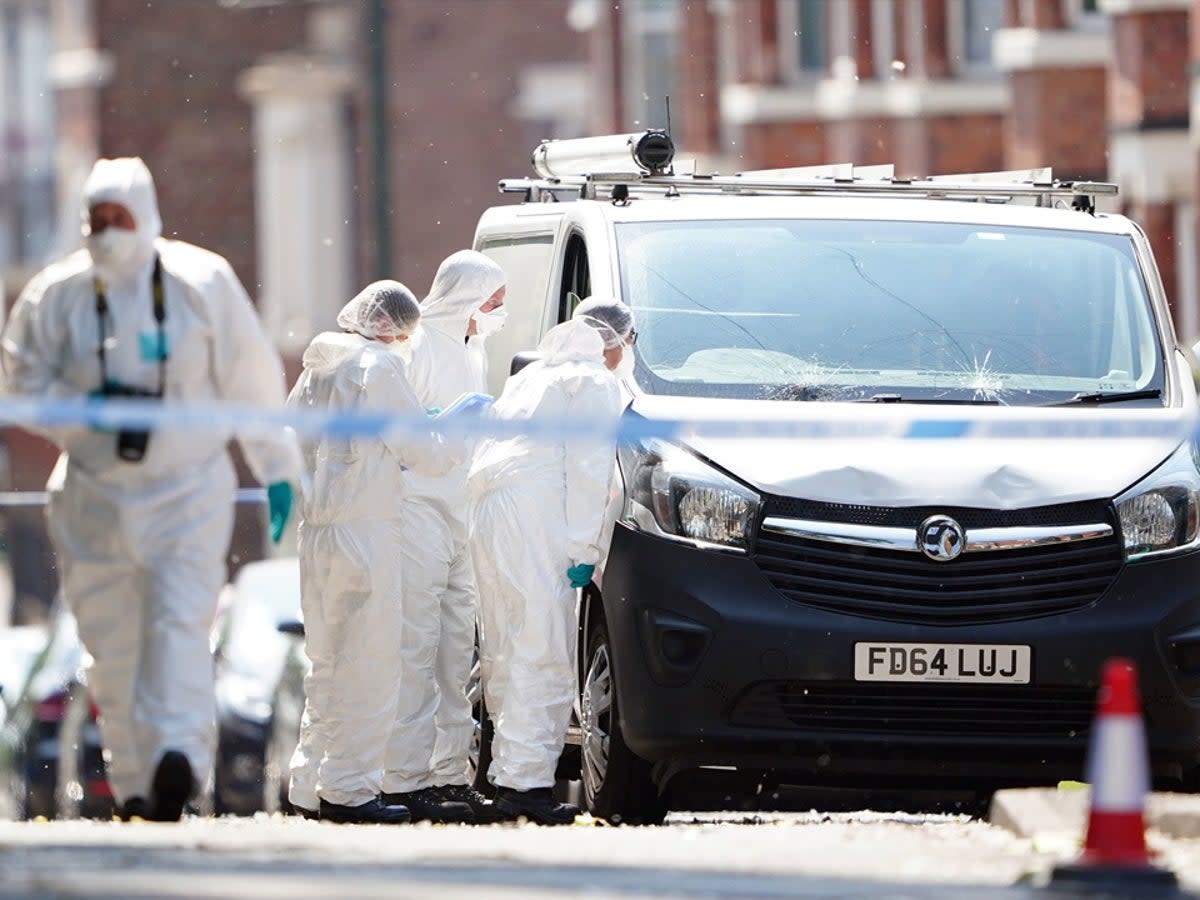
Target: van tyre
[(617, 785), (481, 747)]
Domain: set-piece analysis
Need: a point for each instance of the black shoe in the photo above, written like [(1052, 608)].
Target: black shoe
[(537, 805), (485, 811), (134, 808), (373, 812), (172, 787), (305, 813), (428, 805)]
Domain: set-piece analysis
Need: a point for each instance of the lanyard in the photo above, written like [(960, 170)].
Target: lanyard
[(160, 316)]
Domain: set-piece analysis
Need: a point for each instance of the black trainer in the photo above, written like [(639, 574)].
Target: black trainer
[(428, 805), (305, 813), (134, 808), (171, 788), (373, 812), (485, 811), (537, 805)]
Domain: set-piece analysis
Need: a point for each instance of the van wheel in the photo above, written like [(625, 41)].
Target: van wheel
[(616, 782)]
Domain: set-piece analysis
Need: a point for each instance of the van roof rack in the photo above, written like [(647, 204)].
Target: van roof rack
[(643, 164), (1034, 187)]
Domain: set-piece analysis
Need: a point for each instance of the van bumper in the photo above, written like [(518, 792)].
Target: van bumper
[(715, 667)]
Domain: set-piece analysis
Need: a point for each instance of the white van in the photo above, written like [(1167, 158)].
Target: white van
[(927, 600)]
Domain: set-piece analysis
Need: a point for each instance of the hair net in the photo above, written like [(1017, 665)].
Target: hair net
[(607, 312), (463, 282), (575, 339), (128, 182), (381, 309)]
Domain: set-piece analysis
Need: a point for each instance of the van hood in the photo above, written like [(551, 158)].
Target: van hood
[(920, 455)]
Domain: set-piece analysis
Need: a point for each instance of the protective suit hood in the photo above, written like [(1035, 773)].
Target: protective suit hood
[(572, 341), (463, 282), (330, 349), (128, 182)]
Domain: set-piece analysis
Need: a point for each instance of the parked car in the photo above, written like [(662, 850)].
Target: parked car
[(51, 758), (1001, 491), (251, 655)]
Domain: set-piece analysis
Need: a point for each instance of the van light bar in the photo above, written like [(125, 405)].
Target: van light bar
[(634, 155)]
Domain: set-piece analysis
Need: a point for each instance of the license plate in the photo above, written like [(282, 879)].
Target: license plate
[(975, 663)]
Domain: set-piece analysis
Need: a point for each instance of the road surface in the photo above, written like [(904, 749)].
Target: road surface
[(864, 854)]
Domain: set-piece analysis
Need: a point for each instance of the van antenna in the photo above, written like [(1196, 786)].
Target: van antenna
[(668, 96)]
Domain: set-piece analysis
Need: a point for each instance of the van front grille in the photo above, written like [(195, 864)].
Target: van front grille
[(1025, 711), (975, 588)]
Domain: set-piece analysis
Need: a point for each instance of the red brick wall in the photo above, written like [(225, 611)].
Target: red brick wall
[(1158, 220), (606, 81), (1148, 78), (965, 143), (756, 28), (173, 101), (1041, 13), (864, 142), (864, 56), (1057, 118), (948, 144), (779, 144), (455, 68), (696, 67), (934, 62)]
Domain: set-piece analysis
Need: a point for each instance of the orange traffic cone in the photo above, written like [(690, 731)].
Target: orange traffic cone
[(1118, 770)]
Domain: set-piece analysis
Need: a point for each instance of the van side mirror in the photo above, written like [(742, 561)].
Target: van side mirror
[(521, 360)]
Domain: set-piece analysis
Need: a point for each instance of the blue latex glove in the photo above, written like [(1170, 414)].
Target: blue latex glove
[(581, 575), (279, 508)]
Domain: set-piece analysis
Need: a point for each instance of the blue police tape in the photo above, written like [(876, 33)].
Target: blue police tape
[(33, 499), (814, 422)]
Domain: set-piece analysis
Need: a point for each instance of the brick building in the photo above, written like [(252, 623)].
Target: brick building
[(1095, 88), (256, 118)]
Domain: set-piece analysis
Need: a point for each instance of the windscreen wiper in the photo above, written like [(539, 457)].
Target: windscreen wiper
[(900, 398), (1091, 397)]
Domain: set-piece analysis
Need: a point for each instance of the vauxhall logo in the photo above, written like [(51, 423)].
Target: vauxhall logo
[(941, 538)]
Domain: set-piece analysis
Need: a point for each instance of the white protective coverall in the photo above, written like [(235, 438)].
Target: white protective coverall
[(538, 507), (352, 565), (141, 545), (440, 601)]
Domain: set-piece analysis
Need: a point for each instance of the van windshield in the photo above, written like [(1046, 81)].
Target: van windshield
[(858, 310)]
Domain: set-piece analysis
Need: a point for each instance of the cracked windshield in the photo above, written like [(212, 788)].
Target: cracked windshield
[(886, 311)]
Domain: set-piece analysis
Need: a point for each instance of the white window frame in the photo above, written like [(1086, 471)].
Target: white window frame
[(1084, 20), (791, 66), (33, 167), (637, 21), (885, 43), (956, 41)]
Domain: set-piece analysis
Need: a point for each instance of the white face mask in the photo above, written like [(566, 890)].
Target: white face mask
[(491, 321), (624, 368), (114, 250)]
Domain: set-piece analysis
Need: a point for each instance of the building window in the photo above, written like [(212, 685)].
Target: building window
[(972, 25), (650, 29), (26, 133), (884, 45), (804, 38), (1085, 15)]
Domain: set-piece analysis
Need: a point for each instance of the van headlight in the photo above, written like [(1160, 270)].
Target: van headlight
[(672, 493), (1161, 514)]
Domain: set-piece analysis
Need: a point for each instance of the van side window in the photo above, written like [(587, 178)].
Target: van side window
[(527, 261), (577, 280)]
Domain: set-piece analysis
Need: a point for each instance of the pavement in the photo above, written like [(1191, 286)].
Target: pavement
[(1061, 813)]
